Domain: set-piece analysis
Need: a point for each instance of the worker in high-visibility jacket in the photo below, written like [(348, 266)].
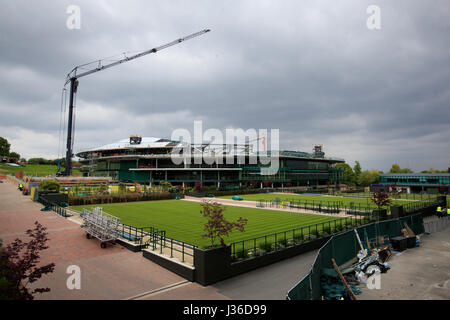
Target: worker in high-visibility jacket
[(20, 187), (439, 211), (448, 212)]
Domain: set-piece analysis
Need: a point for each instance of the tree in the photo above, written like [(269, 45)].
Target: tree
[(217, 227), (357, 169), (4, 147), (14, 157), (396, 169), (381, 199), (349, 175), (366, 178), (432, 170), (18, 265), (165, 185)]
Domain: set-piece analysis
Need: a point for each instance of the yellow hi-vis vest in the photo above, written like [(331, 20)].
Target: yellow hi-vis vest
[(439, 209), (448, 210)]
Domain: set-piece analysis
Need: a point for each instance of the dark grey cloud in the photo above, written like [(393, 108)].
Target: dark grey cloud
[(311, 69)]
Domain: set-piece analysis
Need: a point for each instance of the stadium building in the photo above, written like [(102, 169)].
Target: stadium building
[(151, 160), (416, 182)]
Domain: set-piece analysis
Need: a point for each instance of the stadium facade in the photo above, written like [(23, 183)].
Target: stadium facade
[(151, 160), (417, 182)]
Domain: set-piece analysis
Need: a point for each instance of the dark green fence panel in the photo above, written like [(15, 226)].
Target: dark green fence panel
[(316, 270), (370, 232), (414, 222), (390, 228), (302, 291), (344, 247), (326, 253)]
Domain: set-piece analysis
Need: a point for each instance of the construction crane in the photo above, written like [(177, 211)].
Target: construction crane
[(74, 75)]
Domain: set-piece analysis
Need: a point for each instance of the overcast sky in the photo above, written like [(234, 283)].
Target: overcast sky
[(312, 69)]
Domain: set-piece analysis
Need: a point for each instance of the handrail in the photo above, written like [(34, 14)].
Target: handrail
[(294, 236)]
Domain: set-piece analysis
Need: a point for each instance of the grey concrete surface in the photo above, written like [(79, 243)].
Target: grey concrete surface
[(268, 283), (421, 273)]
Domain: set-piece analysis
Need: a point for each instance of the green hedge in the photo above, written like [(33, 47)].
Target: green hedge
[(115, 198)]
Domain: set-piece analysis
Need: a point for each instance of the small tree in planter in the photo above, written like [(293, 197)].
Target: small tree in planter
[(217, 227), (381, 199), (18, 267)]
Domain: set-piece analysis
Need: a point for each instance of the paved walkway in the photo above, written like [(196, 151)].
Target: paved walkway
[(252, 204), (117, 273)]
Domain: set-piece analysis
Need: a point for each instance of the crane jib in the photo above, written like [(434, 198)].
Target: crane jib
[(72, 79), (73, 73)]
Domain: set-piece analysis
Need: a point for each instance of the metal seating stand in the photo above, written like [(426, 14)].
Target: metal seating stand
[(100, 225)]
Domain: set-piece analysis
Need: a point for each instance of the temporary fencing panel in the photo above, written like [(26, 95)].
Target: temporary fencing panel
[(302, 290), (344, 248), (414, 222), (316, 293), (390, 228)]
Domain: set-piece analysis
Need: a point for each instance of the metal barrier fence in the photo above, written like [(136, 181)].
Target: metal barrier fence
[(54, 207), (159, 241), (135, 234), (344, 247), (329, 207), (414, 206), (404, 196), (437, 225), (249, 248)]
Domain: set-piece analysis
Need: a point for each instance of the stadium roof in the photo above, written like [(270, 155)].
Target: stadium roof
[(152, 142), (147, 142)]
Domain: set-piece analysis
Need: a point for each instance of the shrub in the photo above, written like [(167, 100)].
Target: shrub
[(283, 242), (242, 254), (266, 246), (328, 229), (299, 238), (18, 265), (49, 186)]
